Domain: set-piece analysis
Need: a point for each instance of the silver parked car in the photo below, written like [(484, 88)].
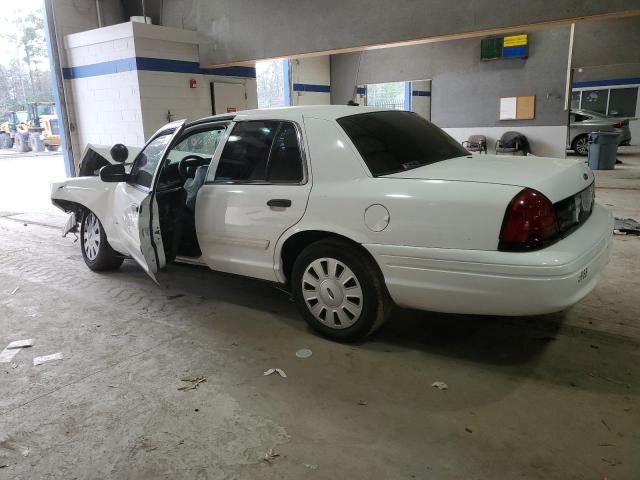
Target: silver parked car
[(583, 122)]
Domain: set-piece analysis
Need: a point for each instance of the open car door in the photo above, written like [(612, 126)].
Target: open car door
[(135, 204)]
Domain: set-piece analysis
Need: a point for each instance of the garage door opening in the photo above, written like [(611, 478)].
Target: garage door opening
[(273, 80)]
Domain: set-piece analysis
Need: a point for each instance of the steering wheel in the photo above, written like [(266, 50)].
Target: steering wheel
[(188, 161)]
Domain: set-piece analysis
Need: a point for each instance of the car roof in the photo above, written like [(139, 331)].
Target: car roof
[(327, 112)]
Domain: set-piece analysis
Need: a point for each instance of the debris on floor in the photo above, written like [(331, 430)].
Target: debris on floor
[(626, 226), (21, 343), (311, 466), (193, 381), (304, 353), (173, 297), (440, 385), (271, 455), (11, 350), (47, 358), (612, 461), (468, 430), (15, 290), (279, 371), (363, 402)]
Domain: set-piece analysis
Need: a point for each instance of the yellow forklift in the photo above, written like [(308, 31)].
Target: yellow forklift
[(33, 130)]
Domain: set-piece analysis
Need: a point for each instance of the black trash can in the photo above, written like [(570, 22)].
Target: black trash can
[(603, 147)]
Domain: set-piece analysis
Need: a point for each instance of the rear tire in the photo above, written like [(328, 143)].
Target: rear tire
[(581, 145), (53, 148), (96, 251), (35, 143), (339, 290), (22, 142)]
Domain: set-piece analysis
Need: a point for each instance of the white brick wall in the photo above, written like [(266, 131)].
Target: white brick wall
[(313, 71), (421, 105), (128, 107)]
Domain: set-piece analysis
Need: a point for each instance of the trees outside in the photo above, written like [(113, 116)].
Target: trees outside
[(271, 83), (24, 62)]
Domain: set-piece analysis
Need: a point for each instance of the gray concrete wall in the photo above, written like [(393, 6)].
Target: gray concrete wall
[(607, 42), (243, 30), (607, 72), (465, 90)]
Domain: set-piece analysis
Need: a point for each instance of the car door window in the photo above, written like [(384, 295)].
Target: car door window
[(246, 153), (285, 161), (202, 144), (147, 161)]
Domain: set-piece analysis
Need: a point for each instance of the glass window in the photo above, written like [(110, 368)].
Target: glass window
[(147, 161), (386, 95), (622, 102), (595, 100), (285, 162), (391, 142), (246, 153), (575, 100), (202, 144)]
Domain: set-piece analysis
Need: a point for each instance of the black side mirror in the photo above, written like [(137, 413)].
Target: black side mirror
[(119, 153), (113, 173)]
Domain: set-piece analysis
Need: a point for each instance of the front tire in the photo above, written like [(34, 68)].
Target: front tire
[(96, 251), (339, 290)]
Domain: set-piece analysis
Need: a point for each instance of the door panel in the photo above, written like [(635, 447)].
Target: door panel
[(134, 205), (133, 208), (229, 97), (238, 231)]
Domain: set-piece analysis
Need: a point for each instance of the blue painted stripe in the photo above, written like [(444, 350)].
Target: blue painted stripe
[(606, 83), (153, 65), (308, 87), (421, 93), (361, 90), (515, 52)]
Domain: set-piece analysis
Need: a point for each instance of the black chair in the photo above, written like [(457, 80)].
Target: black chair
[(476, 143), (512, 143)]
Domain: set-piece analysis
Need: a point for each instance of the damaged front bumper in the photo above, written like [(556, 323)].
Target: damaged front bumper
[(70, 226)]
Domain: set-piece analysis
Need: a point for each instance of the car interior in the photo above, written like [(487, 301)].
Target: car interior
[(183, 173)]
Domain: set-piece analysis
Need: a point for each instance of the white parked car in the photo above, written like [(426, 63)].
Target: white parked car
[(355, 209)]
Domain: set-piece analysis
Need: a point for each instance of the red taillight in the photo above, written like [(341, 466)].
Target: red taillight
[(530, 222), (617, 125)]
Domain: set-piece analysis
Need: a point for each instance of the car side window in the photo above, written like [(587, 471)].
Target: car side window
[(285, 161), (147, 161), (259, 151), (246, 153)]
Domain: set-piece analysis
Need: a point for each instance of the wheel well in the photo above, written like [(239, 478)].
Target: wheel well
[(295, 244), (69, 206)]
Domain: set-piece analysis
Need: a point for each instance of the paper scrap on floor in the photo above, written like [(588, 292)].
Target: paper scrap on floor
[(13, 348), (47, 358), (21, 343)]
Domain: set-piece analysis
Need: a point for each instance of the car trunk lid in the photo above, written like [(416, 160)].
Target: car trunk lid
[(556, 178)]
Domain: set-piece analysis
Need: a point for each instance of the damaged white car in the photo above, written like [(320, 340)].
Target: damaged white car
[(354, 209)]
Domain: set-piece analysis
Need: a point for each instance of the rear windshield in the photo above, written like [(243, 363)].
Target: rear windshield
[(391, 142)]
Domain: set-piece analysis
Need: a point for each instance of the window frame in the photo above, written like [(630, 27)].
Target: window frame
[(608, 89), (129, 180), (301, 149)]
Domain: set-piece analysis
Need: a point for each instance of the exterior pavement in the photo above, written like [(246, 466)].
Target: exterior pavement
[(553, 397)]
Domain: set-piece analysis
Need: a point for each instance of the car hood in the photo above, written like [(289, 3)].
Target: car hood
[(557, 178)]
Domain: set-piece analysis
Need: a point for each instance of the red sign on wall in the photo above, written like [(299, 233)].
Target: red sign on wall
[(231, 109)]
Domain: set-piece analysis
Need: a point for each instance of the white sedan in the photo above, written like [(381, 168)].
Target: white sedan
[(354, 209)]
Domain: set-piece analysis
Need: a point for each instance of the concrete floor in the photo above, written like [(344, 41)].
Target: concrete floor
[(536, 398)]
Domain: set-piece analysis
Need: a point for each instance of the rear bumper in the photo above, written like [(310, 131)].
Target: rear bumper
[(499, 283)]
